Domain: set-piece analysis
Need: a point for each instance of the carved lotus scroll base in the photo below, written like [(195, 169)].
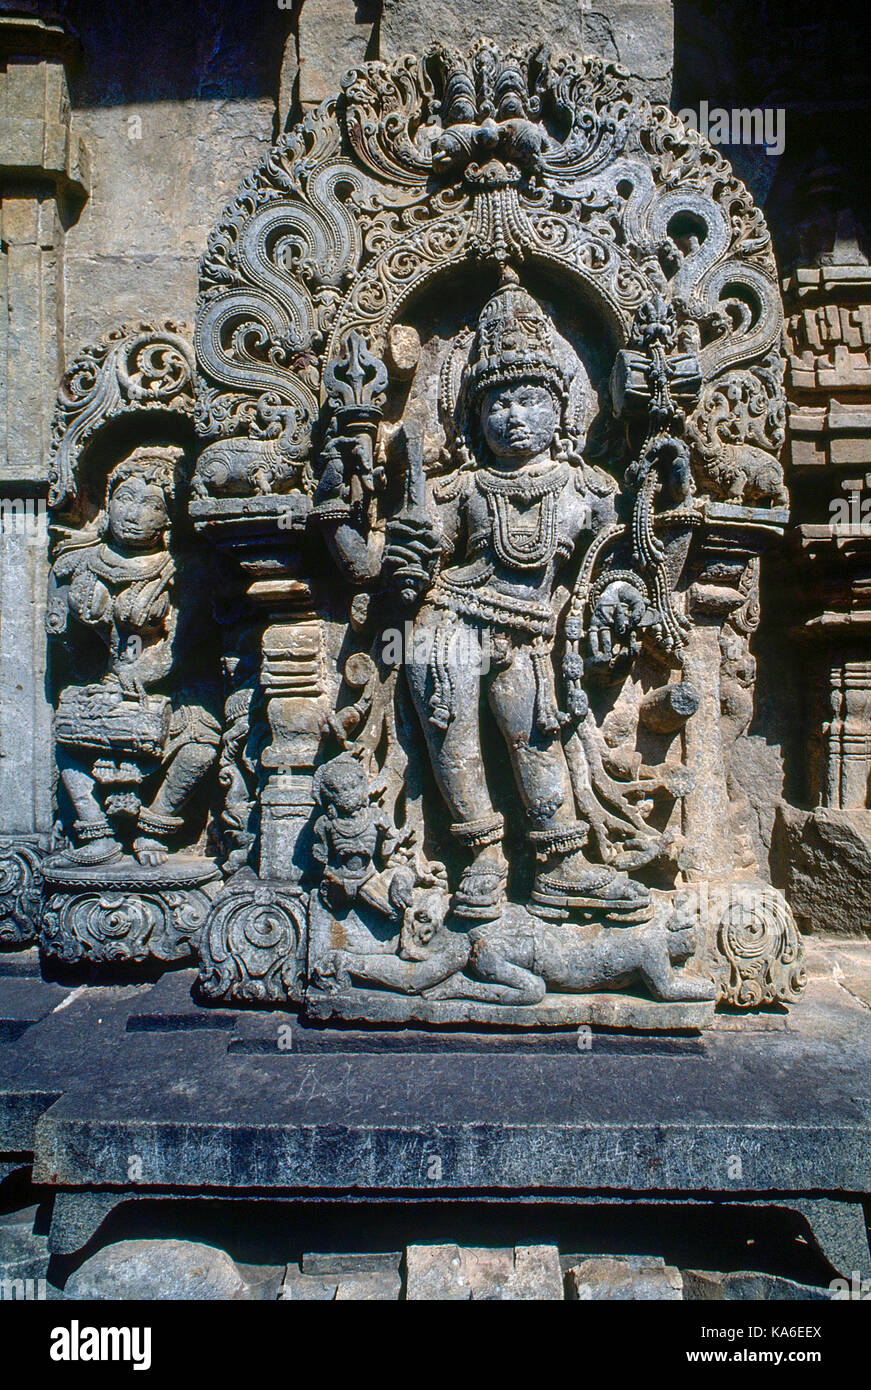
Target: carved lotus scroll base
[(754, 949), (126, 913), (253, 948)]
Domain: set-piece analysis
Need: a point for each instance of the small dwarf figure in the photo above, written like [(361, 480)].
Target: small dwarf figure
[(353, 838)]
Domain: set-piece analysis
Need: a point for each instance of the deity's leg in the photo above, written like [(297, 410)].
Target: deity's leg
[(98, 844), (187, 767), (444, 676), (518, 695), (538, 760)]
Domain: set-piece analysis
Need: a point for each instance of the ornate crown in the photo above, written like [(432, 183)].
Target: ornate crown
[(513, 342)]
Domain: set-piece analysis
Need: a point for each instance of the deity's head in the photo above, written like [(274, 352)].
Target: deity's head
[(341, 786), (514, 386), (139, 495), (519, 422)]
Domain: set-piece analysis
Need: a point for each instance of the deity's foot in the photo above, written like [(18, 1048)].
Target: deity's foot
[(575, 882), (104, 850), (149, 851), (481, 890)]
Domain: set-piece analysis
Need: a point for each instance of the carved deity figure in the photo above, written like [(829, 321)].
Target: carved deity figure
[(479, 553), (133, 743)]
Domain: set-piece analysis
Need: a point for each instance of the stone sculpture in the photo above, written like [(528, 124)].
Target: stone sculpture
[(135, 740), (121, 731), (488, 407)]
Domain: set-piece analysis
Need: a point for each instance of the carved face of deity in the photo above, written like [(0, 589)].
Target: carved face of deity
[(137, 514), (519, 421)]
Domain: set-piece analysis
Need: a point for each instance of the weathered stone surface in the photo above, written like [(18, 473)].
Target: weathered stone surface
[(457, 1273), (23, 1253), (851, 972), (407, 27), (343, 1262), (375, 1287), (596, 1112), (354, 1279), (304, 1288), (26, 1000), (169, 140), (557, 1010), (43, 184), (333, 37), (700, 1284), (622, 1277), (537, 1273), (157, 1269), (825, 856), (636, 33)]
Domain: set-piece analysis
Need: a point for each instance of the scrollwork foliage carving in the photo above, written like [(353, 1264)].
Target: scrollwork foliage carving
[(143, 368), (254, 947), (759, 949), (123, 927), (20, 892), (424, 162)]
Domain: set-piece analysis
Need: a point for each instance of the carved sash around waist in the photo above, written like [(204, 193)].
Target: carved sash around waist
[(495, 609)]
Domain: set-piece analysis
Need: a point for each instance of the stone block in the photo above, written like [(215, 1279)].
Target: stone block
[(343, 1280), (825, 859), (334, 36), (624, 1278), (740, 1285), (23, 1253), (455, 1273), (158, 1269), (639, 34)]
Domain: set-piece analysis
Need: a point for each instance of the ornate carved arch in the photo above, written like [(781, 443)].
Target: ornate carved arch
[(422, 164)]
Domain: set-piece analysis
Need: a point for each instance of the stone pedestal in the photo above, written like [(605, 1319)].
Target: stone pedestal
[(126, 913), (766, 1111)]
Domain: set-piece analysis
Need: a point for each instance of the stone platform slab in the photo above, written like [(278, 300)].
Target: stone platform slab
[(621, 1011), (135, 1091)]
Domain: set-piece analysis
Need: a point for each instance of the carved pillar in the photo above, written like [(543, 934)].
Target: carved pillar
[(42, 187), (707, 850), (848, 736), (724, 591), (254, 943), (293, 675), (825, 849)]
